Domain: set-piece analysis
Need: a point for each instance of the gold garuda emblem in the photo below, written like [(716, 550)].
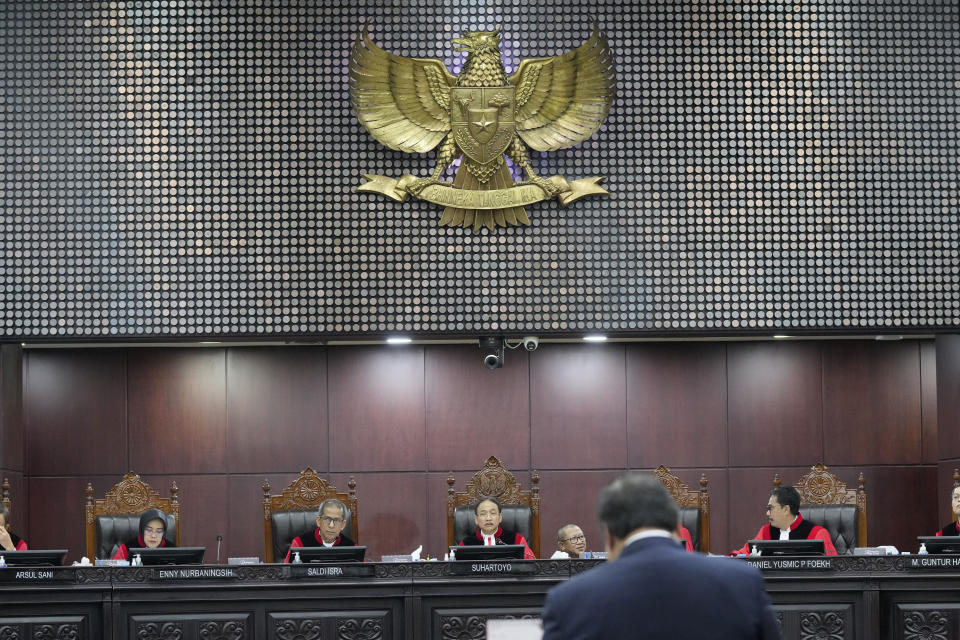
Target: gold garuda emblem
[(482, 117)]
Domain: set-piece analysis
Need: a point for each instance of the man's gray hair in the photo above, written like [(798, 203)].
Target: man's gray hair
[(333, 502), (634, 501), (562, 529)]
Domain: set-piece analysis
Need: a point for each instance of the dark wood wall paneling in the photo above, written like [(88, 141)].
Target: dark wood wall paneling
[(75, 412), (775, 403), (948, 418), (277, 410), (220, 421), (870, 416), (177, 411), (467, 403), (578, 406), (928, 406), (948, 396), (677, 405), (377, 413), (11, 433), (11, 422)]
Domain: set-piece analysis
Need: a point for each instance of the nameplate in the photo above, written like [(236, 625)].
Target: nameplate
[(934, 562), (37, 574), (357, 570), (792, 564), (493, 567), (198, 573)]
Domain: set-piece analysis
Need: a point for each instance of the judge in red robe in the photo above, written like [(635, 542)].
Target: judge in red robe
[(331, 520), (684, 534), (786, 523), (153, 526), (9, 541), (489, 532), (952, 529)]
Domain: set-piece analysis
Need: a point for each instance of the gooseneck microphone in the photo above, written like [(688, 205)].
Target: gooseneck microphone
[(219, 540)]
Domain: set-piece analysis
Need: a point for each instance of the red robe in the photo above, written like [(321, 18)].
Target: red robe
[(687, 540), (769, 532), (123, 553), (949, 530), (306, 540), (19, 544), (501, 537)]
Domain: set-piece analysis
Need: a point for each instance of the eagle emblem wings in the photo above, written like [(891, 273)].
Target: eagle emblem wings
[(482, 117)]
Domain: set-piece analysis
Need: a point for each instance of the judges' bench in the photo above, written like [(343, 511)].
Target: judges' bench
[(840, 598)]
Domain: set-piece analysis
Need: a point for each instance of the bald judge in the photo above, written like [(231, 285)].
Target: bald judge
[(571, 543)]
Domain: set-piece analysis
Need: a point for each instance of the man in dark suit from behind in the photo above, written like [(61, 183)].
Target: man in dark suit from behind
[(650, 587)]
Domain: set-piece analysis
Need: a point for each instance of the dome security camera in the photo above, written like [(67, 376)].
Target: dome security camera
[(530, 343)]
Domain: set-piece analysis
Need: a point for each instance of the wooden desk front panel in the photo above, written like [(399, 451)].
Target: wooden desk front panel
[(856, 599)]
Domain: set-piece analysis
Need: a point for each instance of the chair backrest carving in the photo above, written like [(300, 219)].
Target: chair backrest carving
[(123, 504), (494, 481), (694, 506), (289, 513), (831, 504), (5, 493)]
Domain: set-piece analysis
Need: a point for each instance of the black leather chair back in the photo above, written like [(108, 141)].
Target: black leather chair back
[(839, 519), (115, 529), (690, 518), (287, 525), (517, 518)]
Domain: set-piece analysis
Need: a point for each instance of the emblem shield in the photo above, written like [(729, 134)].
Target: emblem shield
[(482, 121)]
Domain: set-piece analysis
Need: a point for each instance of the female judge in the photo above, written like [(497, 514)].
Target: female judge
[(9, 541), (951, 529), (488, 518), (153, 524)]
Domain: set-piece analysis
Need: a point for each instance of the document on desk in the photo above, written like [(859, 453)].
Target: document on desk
[(514, 630)]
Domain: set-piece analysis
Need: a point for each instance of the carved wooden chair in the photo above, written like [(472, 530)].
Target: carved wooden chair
[(294, 510), (115, 518), (694, 506), (5, 493), (520, 509), (826, 501)]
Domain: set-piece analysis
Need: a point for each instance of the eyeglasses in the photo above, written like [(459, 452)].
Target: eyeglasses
[(151, 531), (579, 538), (331, 521)]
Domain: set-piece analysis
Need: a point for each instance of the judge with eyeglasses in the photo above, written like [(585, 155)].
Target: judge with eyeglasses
[(153, 525), (331, 519), (571, 543)]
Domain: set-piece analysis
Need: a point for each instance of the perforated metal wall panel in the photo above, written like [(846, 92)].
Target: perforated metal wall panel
[(188, 168)]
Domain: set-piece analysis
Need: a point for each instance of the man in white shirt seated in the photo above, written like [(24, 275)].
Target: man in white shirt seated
[(571, 543)]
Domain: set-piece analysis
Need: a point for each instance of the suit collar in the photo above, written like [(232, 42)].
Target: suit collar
[(661, 544)]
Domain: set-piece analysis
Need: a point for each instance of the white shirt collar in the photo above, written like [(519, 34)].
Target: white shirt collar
[(489, 540), (785, 533), (649, 533)]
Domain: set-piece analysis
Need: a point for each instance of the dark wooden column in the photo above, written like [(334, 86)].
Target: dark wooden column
[(11, 426), (948, 419)]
